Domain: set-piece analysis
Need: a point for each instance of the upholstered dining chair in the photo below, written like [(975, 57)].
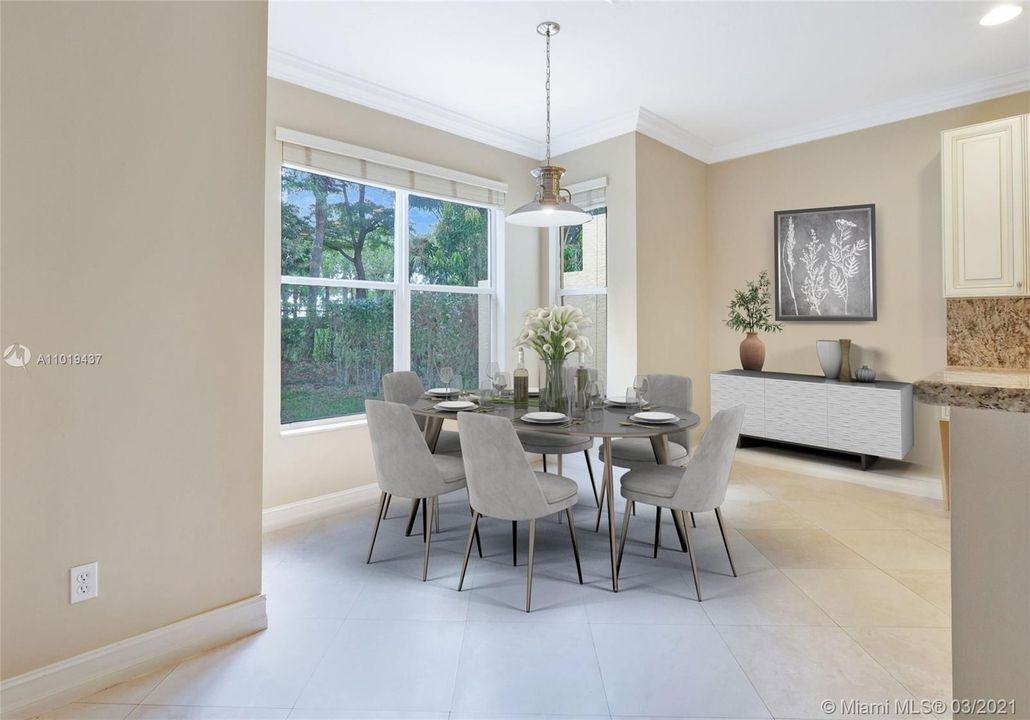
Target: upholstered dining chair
[(405, 386), (502, 485), (699, 487), (544, 444), (632, 453), (405, 467)]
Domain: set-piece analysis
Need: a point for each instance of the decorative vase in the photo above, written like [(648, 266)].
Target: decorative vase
[(865, 374), (752, 352), (552, 389), (845, 360), (829, 357)]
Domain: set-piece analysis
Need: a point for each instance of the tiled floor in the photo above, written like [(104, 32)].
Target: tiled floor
[(843, 593)]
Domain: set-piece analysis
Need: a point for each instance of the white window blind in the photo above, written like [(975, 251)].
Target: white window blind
[(333, 157)]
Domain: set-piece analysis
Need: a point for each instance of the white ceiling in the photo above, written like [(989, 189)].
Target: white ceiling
[(715, 79)]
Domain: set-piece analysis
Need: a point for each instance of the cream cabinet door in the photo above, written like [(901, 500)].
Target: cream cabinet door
[(983, 177)]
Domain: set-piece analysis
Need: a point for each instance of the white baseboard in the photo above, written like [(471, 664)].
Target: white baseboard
[(295, 513), (890, 475), (53, 686)]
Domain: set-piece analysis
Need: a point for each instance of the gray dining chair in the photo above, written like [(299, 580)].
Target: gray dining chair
[(544, 444), (405, 467), (633, 453), (699, 487), (502, 485)]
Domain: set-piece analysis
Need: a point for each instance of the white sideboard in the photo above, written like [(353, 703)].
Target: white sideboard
[(867, 419)]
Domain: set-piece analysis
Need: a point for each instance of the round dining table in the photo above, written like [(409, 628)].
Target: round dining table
[(607, 423)]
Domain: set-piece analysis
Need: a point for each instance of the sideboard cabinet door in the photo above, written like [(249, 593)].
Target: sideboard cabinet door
[(732, 390), (796, 412), (869, 420)]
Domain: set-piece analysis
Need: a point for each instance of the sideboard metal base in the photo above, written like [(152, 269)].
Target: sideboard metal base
[(865, 461)]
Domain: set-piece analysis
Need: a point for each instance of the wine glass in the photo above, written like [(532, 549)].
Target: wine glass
[(596, 398), (631, 397), (499, 380), (447, 377), (640, 385), (492, 369)]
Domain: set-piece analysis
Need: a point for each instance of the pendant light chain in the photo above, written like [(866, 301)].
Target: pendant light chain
[(547, 88)]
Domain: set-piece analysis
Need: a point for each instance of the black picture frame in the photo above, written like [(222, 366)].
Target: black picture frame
[(825, 260)]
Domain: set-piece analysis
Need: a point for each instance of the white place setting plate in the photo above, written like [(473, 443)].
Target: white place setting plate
[(620, 401), (455, 405), (545, 418), (654, 418), (443, 392)]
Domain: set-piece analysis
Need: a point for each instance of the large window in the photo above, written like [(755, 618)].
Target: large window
[(582, 279), (376, 279)]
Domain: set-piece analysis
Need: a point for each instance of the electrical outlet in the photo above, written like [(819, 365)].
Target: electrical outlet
[(84, 582)]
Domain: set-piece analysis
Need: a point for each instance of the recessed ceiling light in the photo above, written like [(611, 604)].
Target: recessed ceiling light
[(1001, 14)]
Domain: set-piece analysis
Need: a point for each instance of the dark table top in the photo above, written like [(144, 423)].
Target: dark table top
[(607, 422)]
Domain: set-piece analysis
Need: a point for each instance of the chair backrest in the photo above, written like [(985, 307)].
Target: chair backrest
[(404, 465), (501, 483), (404, 386), (705, 479), (672, 391)]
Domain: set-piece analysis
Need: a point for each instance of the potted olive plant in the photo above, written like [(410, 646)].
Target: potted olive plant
[(750, 313)]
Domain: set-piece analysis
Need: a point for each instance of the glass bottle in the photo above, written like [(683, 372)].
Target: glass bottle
[(582, 389), (520, 381)]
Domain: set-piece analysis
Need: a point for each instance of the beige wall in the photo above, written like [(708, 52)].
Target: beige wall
[(303, 466), (132, 203), (616, 159), (672, 266), (895, 166)]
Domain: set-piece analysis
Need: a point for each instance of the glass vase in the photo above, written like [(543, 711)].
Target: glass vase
[(552, 392)]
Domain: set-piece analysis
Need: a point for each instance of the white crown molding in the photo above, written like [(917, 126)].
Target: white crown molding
[(594, 133), (293, 69), (657, 127), (55, 685), (881, 114)]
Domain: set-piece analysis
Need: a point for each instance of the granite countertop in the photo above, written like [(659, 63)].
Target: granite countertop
[(974, 387)]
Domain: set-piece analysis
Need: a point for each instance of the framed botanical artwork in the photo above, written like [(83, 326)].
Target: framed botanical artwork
[(826, 263)]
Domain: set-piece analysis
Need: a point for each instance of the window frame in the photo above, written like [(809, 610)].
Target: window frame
[(402, 287)]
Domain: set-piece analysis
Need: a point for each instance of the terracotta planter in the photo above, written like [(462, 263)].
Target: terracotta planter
[(752, 352)]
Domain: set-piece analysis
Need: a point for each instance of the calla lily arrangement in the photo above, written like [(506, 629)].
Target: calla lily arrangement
[(554, 332)]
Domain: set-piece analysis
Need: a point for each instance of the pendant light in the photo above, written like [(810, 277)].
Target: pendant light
[(550, 207)]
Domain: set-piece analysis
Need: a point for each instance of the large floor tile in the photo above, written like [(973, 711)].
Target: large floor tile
[(388, 596), (651, 596), (528, 668), (895, 549), (841, 515), (796, 669), (401, 665), (167, 712), (804, 549), (85, 711), (932, 585), (766, 597), (268, 669), (684, 671), (338, 714), (919, 658), (867, 598), (769, 514)]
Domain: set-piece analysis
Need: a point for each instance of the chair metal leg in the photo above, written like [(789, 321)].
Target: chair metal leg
[(411, 518), (625, 532), (473, 531), (375, 530), (593, 485), (679, 521), (529, 575), (575, 545), (545, 462), (387, 508), (479, 543), (425, 517), (429, 536), (514, 543), (725, 542), (693, 559), (559, 459), (634, 509), (657, 529), (693, 522), (436, 513), (600, 505)]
